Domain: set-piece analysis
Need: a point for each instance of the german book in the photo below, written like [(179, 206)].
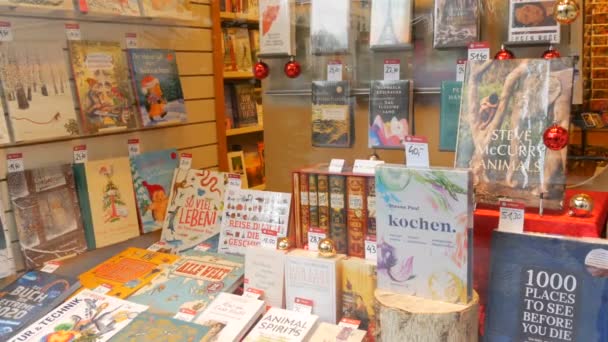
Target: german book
[(358, 286), (323, 201), (304, 206), (371, 206), (356, 215), (313, 200), (337, 212), (456, 23), (390, 113), (265, 270), (147, 327), (332, 123), (282, 325), (448, 116)]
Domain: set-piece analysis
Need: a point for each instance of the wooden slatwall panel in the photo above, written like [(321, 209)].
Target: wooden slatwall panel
[(194, 47)]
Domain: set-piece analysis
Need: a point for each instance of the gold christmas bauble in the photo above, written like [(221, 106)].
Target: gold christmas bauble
[(566, 11), (327, 248), (283, 244), (581, 205)]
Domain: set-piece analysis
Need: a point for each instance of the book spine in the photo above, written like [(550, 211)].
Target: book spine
[(304, 207), (337, 212), (356, 215), (295, 217), (313, 200), (371, 206), (80, 178), (323, 199)]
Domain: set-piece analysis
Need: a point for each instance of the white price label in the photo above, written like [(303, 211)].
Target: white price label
[(185, 161), (50, 267), (511, 217), (334, 71), (461, 67), (131, 40), (371, 251), (14, 162), (157, 246), (315, 235), (349, 323), (6, 32), (302, 305), (80, 154), (479, 51), (102, 289), (416, 151), (392, 67), (203, 247), (336, 165), (72, 31), (186, 315), (133, 145), (268, 239), (234, 181), (366, 167), (253, 293)]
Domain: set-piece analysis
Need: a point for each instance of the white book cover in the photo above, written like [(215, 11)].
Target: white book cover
[(280, 325), (277, 28), (329, 26), (311, 277), (111, 7), (44, 4), (423, 236), (325, 332), (247, 213), (265, 270), (88, 316), (230, 316), (532, 21), (391, 24)]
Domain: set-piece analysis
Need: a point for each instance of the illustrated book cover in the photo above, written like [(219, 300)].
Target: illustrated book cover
[(547, 288), (506, 108), (102, 83), (148, 327), (337, 212), (110, 7), (532, 21), (42, 4), (107, 201), (30, 297), (126, 272), (88, 316), (265, 270), (313, 201), (391, 24), (152, 176), (323, 201), (359, 279), (371, 206), (277, 28), (47, 214), (332, 117), (284, 326), (390, 113), (36, 90), (424, 235), (325, 332), (246, 107), (456, 23), (237, 49), (449, 114), (174, 9), (158, 89), (356, 215), (329, 26)]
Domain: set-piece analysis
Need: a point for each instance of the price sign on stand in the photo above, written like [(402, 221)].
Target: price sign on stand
[(203, 247), (253, 293), (336, 165), (80, 154), (131, 40), (185, 161), (416, 151), (50, 266), (334, 71), (185, 314), (72, 31), (479, 51), (371, 251), (6, 31), (511, 217), (133, 145), (315, 235), (102, 289), (366, 167), (268, 239), (461, 67), (349, 323), (392, 67), (14, 162), (157, 246), (234, 181), (302, 305)]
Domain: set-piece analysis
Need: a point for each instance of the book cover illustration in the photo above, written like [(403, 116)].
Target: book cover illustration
[(7, 261), (152, 176), (356, 215), (456, 23), (191, 283), (195, 207), (147, 327), (391, 24), (36, 91), (30, 297), (323, 201), (532, 21), (47, 214), (313, 201), (449, 114), (424, 246), (244, 96), (371, 206), (171, 9), (329, 26), (331, 114), (43, 4), (547, 288), (157, 86), (237, 50), (247, 213), (304, 206), (358, 286), (265, 270), (337, 212), (390, 114), (277, 35), (126, 272), (102, 84), (110, 7), (88, 316), (325, 332), (254, 39), (282, 325), (500, 136)]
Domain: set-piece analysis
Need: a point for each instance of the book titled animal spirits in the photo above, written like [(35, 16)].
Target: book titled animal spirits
[(456, 23), (265, 270), (331, 114), (277, 28), (110, 7), (148, 327), (423, 234), (390, 109), (391, 24), (532, 21), (157, 86), (280, 325), (329, 26)]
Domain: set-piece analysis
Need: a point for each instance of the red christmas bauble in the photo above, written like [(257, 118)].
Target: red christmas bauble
[(293, 69), (555, 137), (504, 54), (261, 70), (551, 53)]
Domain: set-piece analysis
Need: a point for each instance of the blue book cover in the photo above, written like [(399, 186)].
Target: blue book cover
[(150, 327), (156, 82), (547, 288), (152, 177), (191, 283), (31, 297)]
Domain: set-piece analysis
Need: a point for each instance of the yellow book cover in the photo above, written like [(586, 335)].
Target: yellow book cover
[(126, 272), (358, 286)]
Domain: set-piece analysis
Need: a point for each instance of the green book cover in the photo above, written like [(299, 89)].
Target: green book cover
[(450, 110), (80, 177)]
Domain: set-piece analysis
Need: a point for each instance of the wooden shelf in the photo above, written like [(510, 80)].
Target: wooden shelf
[(238, 17), (244, 130), (259, 187), (237, 75)]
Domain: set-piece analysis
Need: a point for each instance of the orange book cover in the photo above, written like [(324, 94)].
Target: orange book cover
[(356, 215)]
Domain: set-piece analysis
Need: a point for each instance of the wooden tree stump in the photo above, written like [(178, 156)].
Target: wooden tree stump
[(408, 318)]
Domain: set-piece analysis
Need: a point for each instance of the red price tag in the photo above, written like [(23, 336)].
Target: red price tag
[(185, 161), (14, 162), (511, 217), (349, 323), (268, 239), (479, 51), (302, 305), (50, 266), (184, 314), (133, 145), (392, 67), (103, 288), (131, 40), (72, 31), (80, 154), (461, 67), (6, 31), (253, 293), (334, 71), (315, 235), (416, 151), (371, 252)]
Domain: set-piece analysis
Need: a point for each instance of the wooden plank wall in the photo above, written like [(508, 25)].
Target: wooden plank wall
[(193, 42)]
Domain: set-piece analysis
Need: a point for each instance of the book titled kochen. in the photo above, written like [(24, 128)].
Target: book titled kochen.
[(424, 218), (280, 325)]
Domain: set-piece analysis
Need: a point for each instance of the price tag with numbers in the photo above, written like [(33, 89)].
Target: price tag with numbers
[(131, 40), (234, 181), (392, 67), (80, 154), (349, 323), (268, 239), (253, 293), (133, 145), (157, 246), (185, 314), (72, 31), (416, 151), (14, 162), (511, 217), (315, 235), (6, 31), (371, 252), (102, 289), (461, 67), (479, 51), (334, 71), (185, 161), (336, 165), (302, 305), (50, 266)]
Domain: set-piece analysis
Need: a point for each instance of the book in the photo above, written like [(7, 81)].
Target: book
[(532, 21), (313, 200), (337, 212), (47, 214), (157, 86), (449, 114), (391, 25), (356, 216), (239, 48), (102, 85), (547, 288), (371, 206), (229, 51), (312, 277), (177, 9), (304, 206), (152, 176), (113, 7), (247, 214), (88, 316), (253, 169), (30, 297), (358, 286), (191, 283), (265, 270), (195, 207), (254, 39), (329, 26), (278, 325), (424, 238), (323, 201), (277, 25), (456, 23), (325, 332), (229, 106), (42, 4), (36, 90), (244, 97), (390, 113), (331, 113), (150, 327), (500, 137), (107, 201), (236, 315), (7, 260)]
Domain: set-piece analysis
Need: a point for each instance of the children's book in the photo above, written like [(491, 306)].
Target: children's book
[(148, 327), (110, 7)]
